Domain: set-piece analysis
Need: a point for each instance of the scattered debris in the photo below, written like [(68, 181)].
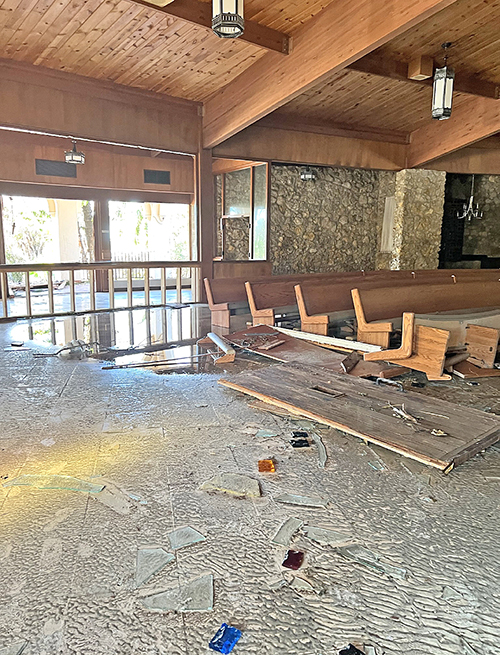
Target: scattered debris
[(299, 584), (293, 560), (438, 433), (225, 639), (350, 361), (367, 558), (195, 596), (48, 442), (266, 434), (182, 537), (286, 532), (418, 385), (275, 585), (267, 466), (306, 501), (234, 484), (452, 595), (14, 649), (325, 536), (377, 466), (115, 498), (271, 345), (149, 562), (66, 482), (322, 456), (300, 439), (75, 349), (351, 650), (17, 344)]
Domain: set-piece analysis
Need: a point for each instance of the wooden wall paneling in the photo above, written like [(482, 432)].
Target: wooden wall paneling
[(473, 159), (343, 32), (105, 167), (65, 104), (291, 146)]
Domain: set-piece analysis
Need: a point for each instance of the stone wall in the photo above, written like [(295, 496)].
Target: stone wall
[(236, 202), (331, 224), (482, 237), (418, 219)]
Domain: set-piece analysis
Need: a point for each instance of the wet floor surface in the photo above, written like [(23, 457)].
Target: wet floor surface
[(68, 557)]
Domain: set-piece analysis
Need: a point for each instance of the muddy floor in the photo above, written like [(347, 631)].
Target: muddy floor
[(68, 557)]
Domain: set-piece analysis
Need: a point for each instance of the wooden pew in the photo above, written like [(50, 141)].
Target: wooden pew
[(377, 308), (226, 297)]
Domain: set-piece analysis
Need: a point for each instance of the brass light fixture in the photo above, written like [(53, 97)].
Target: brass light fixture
[(73, 156), (442, 91), (228, 20)]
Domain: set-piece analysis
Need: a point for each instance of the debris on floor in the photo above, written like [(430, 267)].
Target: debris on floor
[(185, 536), (194, 596), (286, 531), (234, 484), (65, 482), (266, 434), (325, 536), (149, 562), (351, 650), (293, 560), (365, 557), (300, 439), (322, 456), (115, 498), (16, 648), (225, 639), (299, 584), (305, 501), (267, 466)]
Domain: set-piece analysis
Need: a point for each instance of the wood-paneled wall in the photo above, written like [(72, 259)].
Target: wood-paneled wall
[(61, 103), (106, 167)]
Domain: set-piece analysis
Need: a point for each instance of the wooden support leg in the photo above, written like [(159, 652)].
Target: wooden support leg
[(404, 351)]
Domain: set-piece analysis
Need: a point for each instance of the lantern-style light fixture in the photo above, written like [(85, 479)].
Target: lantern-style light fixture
[(442, 92), (73, 156), (228, 20)]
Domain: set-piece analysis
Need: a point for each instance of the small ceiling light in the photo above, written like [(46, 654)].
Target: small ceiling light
[(442, 92), (73, 156), (228, 20), (307, 175)]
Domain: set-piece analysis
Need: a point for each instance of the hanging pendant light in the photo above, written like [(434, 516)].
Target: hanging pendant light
[(73, 156), (228, 20), (442, 92)]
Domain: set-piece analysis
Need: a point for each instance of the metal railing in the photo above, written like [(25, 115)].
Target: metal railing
[(179, 281)]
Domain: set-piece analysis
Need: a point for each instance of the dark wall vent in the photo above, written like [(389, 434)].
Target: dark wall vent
[(54, 168), (156, 177)]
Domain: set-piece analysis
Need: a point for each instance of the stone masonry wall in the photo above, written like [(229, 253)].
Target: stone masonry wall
[(418, 219), (482, 237), (331, 224)]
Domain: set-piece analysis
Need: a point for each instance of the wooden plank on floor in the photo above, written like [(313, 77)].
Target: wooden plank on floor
[(301, 352), (468, 371), (365, 410)]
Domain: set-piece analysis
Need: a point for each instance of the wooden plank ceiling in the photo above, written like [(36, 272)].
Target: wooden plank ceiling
[(123, 42), (138, 46)]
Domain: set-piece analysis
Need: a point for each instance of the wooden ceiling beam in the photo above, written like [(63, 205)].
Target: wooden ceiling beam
[(200, 13), (471, 121), (398, 70), (340, 34)]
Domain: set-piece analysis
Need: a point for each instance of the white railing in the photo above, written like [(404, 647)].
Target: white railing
[(185, 275)]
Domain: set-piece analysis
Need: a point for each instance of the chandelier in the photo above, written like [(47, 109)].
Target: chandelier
[(469, 210)]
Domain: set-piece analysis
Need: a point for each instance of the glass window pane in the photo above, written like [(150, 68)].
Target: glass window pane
[(260, 212)]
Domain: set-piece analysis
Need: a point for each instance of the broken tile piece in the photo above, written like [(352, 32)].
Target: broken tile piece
[(195, 596), (149, 562), (286, 532), (225, 639), (15, 648), (299, 584), (306, 501), (267, 466), (234, 484), (367, 558), (324, 536), (322, 456), (277, 584), (183, 537), (293, 560), (66, 482), (266, 434)]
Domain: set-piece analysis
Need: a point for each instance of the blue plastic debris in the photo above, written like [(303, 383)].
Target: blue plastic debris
[(225, 639)]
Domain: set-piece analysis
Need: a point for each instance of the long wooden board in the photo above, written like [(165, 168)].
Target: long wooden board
[(364, 410)]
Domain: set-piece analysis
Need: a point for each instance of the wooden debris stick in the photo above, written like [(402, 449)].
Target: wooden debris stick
[(365, 410), (468, 371), (482, 345), (332, 342)]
